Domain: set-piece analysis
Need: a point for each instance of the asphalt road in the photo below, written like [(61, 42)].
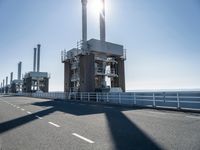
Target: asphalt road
[(34, 124)]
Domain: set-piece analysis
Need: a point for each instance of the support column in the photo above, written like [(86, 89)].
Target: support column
[(67, 76), (87, 73)]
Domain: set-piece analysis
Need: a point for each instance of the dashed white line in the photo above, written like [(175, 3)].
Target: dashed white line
[(22, 109), (154, 112), (83, 138), (29, 112), (193, 117), (38, 117), (56, 125), (107, 107), (82, 104), (18, 107)]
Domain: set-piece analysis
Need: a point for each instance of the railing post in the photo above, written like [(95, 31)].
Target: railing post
[(107, 97), (119, 98), (178, 101), (154, 101), (97, 98), (81, 96), (134, 98), (88, 96)]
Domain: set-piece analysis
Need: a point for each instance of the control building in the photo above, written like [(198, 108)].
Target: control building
[(16, 85), (94, 65), (35, 80)]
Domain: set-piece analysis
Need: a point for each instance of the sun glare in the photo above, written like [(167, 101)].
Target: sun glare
[(95, 6)]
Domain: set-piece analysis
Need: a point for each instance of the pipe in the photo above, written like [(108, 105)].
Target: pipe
[(38, 58), (84, 22), (19, 70), (34, 59), (11, 77), (102, 23)]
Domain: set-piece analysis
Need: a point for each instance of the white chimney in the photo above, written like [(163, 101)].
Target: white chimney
[(84, 22), (38, 57), (34, 59), (102, 22), (19, 70)]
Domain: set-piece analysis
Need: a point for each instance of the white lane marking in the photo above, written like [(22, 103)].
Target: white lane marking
[(82, 104), (154, 112), (83, 138), (56, 125), (38, 117), (193, 117), (18, 107), (22, 109), (29, 112), (107, 107)]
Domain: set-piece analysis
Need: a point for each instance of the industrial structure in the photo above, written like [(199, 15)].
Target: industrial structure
[(35, 80), (16, 84), (94, 65)]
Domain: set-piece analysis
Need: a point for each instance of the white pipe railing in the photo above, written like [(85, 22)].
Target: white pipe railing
[(177, 100)]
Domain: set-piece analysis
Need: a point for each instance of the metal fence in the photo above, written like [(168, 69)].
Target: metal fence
[(177, 100)]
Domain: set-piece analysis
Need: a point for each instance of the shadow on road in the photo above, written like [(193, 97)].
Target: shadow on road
[(126, 135)]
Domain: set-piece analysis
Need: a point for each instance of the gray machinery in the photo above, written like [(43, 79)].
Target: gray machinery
[(16, 85), (94, 65), (35, 80), (2, 90), (7, 86)]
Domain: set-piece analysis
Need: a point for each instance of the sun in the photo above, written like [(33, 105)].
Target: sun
[(95, 6)]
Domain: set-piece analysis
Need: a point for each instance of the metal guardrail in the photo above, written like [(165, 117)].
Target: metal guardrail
[(177, 100)]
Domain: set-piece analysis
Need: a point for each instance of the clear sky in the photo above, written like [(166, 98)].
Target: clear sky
[(162, 38)]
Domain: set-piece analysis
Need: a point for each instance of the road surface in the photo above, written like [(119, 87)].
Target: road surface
[(34, 124)]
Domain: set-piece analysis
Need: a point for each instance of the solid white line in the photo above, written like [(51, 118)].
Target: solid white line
[(38, 117), (193, 117), (29, 112), (56, 125), (83, 138), (22, 109)]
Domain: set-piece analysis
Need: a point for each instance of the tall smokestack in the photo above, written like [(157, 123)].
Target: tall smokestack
[(102, 22), (11, 77), (34, 59), (84, 22), (38, 58), (6, 81), (19, 70)]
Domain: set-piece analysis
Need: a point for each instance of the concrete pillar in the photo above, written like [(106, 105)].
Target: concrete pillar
[(87, 73), (67, 76), (120, 80)]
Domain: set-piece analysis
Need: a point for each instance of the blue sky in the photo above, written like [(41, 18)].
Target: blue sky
[(162, 38)]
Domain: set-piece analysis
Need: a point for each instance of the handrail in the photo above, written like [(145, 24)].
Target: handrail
[(177, 100)]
